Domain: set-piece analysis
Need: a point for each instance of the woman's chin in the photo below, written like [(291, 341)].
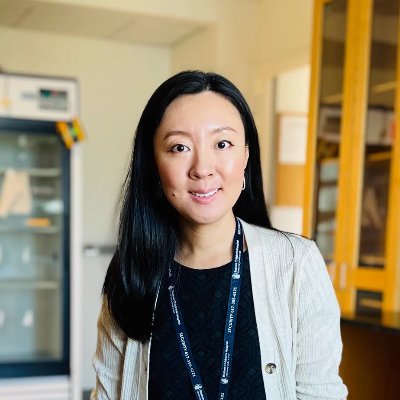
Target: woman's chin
[(207, 218)]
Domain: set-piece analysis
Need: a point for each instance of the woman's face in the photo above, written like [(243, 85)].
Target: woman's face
[(200, 153)]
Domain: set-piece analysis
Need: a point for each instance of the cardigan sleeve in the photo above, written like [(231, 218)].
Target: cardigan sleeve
[(109, 357), (319, 344)]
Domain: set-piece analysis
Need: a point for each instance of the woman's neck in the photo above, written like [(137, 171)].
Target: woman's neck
[(206, 245)]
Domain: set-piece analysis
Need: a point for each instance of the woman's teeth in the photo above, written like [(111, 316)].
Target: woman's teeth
[(205, 194)]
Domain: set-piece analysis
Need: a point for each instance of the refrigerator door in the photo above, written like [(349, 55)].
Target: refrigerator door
[(34, 250)]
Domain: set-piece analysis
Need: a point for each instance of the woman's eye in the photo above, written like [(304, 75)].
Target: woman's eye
[(223, 144), (179, 148)]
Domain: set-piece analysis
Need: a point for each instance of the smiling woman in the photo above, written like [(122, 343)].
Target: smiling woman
[(203, 298)]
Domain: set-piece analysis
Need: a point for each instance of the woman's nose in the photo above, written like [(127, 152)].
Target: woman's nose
[(202, 164)]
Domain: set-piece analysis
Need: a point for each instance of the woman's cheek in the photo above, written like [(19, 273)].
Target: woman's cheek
[(171, 177), (234, 169)]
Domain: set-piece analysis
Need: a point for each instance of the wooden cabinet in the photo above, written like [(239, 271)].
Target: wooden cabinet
[(352, 192)]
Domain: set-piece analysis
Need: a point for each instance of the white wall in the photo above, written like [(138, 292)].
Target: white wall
[(293, 91), (230, 45)]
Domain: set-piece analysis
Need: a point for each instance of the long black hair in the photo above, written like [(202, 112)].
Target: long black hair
[(148, 226)]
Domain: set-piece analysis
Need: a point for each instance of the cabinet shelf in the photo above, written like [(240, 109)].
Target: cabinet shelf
[(52, 230), (333, 98), (37, 172), (379, 156), (384, 87), (335, 138), (330, 137), (330, 232), (329, 160), (330, 183), (371, 260), (325, 215), (12, 284)]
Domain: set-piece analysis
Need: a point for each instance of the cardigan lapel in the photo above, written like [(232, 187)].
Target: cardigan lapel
[(259, 266)]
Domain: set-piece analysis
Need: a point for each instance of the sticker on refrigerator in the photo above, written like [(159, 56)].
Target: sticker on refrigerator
[(70, 132)]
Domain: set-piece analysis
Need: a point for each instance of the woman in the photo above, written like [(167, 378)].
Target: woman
[(203, 299)]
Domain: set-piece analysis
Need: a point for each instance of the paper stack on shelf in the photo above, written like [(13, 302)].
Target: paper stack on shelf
[(15, 197)]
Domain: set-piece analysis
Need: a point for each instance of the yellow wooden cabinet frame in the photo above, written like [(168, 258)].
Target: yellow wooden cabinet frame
[(359, 21)]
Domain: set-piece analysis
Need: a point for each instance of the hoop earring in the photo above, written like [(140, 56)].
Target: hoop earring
[(244, 183)]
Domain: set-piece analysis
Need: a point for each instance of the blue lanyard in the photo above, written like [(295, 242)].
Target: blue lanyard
[(230, 324)]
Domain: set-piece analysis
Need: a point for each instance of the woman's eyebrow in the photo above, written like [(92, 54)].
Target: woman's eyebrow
[(176, 133), (225, 128), (184, 133)]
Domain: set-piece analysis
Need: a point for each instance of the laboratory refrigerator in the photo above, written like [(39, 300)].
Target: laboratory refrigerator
[(36, 242)]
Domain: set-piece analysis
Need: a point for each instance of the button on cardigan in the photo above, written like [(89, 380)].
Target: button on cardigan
[(298, 322)]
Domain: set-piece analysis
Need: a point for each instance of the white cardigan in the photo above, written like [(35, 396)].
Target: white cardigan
[(298, 322)]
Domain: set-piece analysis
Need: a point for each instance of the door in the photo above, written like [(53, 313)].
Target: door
[(34, 250)]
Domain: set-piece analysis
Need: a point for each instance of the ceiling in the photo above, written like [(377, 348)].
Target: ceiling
[(127, 27)]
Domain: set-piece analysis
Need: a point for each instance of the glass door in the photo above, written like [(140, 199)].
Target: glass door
[(34, 250), (378, 150), (329, 128)]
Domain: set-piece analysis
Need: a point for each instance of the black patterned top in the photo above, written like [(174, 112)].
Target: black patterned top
[(203, 297)]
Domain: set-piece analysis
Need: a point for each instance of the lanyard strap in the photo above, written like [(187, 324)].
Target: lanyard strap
[(230, 324)]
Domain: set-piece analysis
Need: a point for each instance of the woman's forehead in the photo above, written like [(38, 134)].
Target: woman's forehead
[(205, 108)]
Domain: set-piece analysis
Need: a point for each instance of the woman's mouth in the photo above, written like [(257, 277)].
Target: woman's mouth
[(204, 198), (205, 194)]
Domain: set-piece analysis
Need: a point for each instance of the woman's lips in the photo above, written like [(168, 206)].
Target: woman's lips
[(204, 198)]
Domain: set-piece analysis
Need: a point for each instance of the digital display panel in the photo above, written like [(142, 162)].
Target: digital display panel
[(56, 100)]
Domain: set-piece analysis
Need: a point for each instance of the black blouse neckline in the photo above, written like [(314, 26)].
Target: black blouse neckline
[(210, 269)]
